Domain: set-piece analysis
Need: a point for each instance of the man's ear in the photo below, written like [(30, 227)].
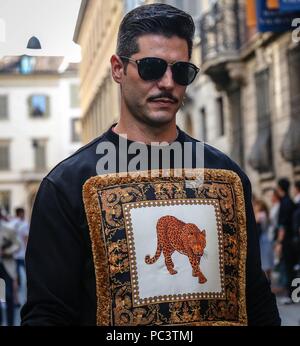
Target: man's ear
[(117, 68)]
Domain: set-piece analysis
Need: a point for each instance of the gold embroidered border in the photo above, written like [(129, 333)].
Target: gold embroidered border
[(93, 212), (131, 249)]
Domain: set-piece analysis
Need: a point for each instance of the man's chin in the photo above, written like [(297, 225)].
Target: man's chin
[(156, 120)]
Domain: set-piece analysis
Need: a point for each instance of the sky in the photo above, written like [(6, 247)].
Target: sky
[(51, 21)]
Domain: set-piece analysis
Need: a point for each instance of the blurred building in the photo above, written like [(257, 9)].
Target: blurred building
[(39, 123), (256, 74), (96, 32)]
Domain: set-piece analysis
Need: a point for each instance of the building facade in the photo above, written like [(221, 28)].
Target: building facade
[(39, 124), (96, 32), (256, 73)]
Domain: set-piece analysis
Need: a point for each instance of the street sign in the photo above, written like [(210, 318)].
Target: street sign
[(273, 20), (290, 5)]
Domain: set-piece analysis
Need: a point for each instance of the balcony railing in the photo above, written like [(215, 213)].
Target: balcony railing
[(219, 32)]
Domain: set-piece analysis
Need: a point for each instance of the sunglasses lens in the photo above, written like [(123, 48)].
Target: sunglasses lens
[(184, 73), (152, 68)]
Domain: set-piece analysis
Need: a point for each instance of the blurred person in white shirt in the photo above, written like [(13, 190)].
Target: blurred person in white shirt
[(21, 226)]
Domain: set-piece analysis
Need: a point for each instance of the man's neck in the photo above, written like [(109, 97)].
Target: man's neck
[(143, 133)]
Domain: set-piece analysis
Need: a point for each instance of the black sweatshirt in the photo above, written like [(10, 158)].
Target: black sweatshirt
[(59, 261)]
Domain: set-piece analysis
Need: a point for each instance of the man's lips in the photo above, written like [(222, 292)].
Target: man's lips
[(163, 101)]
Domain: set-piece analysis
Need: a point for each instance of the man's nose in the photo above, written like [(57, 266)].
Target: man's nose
[(167, 81)]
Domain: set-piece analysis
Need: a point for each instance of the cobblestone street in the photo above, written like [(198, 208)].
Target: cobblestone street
[(290, 314)]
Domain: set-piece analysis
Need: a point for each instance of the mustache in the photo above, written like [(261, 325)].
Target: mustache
[(164, 95)]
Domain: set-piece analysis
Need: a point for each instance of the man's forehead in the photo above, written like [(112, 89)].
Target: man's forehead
[(161, 44)]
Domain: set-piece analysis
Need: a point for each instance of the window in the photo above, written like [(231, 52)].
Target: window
[(290, 148), (74, 95), (203, 125), (261, 157), (26, 64), (5, 202), (220, 114), (39, 106), (39, 147), (237, 126), (4, 156), (3, 107), (76, 130)]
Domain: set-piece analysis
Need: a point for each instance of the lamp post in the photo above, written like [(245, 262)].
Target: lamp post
[(34, 43)]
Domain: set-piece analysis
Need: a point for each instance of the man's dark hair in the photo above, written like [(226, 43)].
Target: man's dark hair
[(284, 184), (297, 185), (158, 19)]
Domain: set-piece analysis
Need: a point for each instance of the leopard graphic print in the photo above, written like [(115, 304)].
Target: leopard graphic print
[(186, 238)]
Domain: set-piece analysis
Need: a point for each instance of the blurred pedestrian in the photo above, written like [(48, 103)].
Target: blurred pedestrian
[(9, 245), (284, 240), (21, 226), (266, 247), (273, 215), (296, 223)]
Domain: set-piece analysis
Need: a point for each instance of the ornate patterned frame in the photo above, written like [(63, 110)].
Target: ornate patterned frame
[(105, 198)]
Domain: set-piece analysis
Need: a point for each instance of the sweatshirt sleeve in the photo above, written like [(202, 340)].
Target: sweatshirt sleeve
[(261, 303), (54, 261)]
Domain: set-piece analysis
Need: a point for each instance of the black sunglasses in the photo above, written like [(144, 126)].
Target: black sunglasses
[(151, 69)]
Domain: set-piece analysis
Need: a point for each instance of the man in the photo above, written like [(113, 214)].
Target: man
[(297, 192), (153, 70), (284, 239), (296, 216)]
